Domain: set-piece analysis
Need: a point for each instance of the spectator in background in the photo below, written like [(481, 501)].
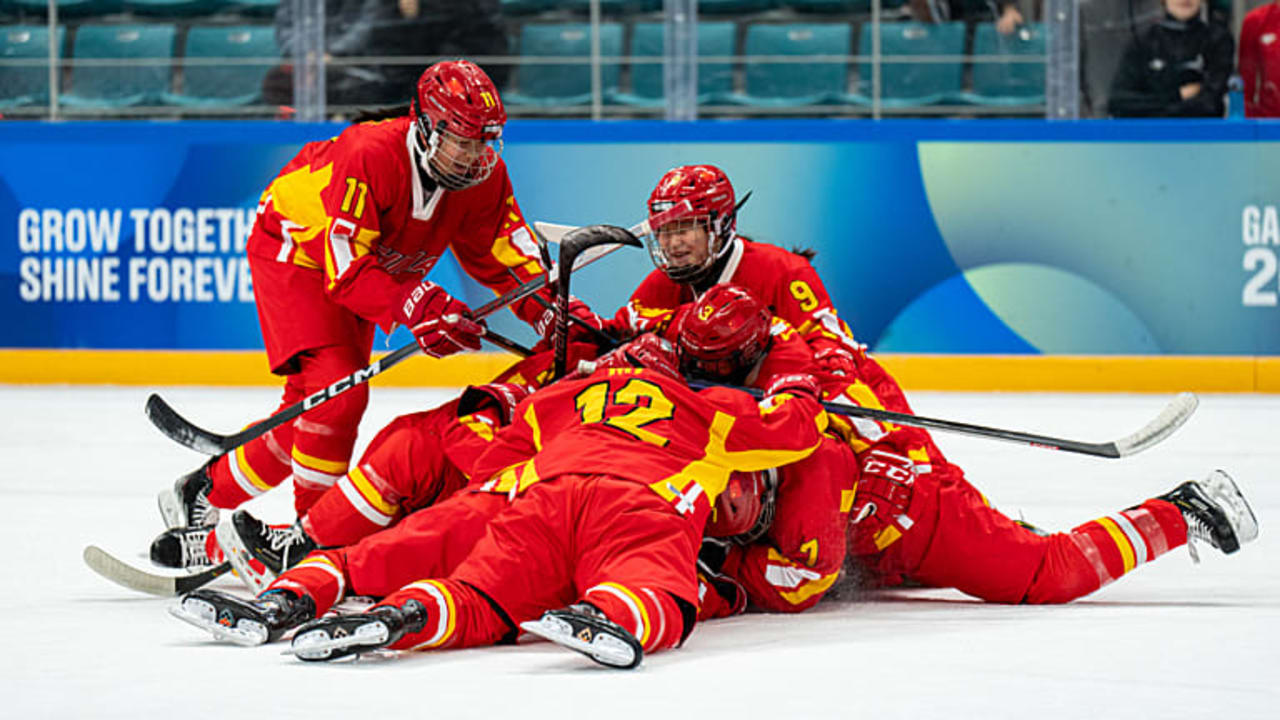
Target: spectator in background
[(1260, 61), (1176, 68), (1005, 13), (390, 29)]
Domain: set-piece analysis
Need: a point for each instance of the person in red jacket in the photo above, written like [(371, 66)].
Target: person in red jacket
[(343, 239), (1259, 61), (610, 479)]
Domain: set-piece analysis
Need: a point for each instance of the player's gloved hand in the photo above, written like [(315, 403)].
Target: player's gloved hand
[(546, 323), (440, 323), (798, 384), (884, 496), (502, 396), (647, 351), (837, 361), (721, 595)]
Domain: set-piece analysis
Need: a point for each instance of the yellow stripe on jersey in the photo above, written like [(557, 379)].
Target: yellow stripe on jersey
[(918, 455), (333, 467), (531, 418), (477, 426), (509, 255), (886, 537), (712, 470), (809, 589), (296, 197), (362, 485), (1121, 541), (846, 499)]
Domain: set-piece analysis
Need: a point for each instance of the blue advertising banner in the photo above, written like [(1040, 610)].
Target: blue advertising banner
[(932, 236)]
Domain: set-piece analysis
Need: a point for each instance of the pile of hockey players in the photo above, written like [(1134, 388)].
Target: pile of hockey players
[(613, 508)]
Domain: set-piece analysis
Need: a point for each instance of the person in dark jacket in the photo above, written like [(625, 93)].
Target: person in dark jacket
[(1176, 68)]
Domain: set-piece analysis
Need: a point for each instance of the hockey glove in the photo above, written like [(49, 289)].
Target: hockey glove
[(883, 497), (647, 351), (797, 384), (546, 324), (503, 396), (440, 323), (837, 361)]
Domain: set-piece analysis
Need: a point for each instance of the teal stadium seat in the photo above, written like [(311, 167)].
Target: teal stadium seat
[(1008, 84), (913, 84), (174, 8), (610, 7), (510, 8), (226, 84), (257, 8), (851, 7), (25, 84), (794, 84), (715, 80), (556, 84), (106, 87), (67, 8), (735, 7)]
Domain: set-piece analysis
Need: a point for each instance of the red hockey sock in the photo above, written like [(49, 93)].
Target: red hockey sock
[(1099, 551), (322, 576), (251, 469), (652, 616), (456, 616)]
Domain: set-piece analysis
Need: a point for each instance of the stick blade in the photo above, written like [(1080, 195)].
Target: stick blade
[(1174, 415), (180, 430), (128, 576)]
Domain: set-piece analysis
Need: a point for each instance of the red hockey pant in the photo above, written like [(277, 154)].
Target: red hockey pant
[(405, 468), (959, 541), (610, 542)]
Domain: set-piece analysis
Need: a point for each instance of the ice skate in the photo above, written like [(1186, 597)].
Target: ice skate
[(186, 504), (1216, 512), (255, 573), (279, 547), (585, 629), (187, 547), (244, 622), (340, 636)]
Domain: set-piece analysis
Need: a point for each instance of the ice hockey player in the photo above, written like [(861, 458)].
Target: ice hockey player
[(416, 460), (343, 239), (915, 516), (609, 479), (702, 249)]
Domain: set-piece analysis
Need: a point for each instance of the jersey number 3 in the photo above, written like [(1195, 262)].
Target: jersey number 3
[(647, 403)]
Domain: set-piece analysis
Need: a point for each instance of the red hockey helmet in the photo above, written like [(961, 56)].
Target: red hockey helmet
[(711, 207), (744, 509), (459, 119), (724, 334)]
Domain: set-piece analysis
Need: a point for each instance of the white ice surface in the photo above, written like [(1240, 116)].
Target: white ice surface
[(1171, 640)]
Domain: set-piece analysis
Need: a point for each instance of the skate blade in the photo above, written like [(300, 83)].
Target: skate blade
[(171, 509), (319, 644), (1224, 489), (246, 633), (603, 648)]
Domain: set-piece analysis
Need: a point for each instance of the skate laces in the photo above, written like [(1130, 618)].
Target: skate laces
[(193, 542), (280, 539)]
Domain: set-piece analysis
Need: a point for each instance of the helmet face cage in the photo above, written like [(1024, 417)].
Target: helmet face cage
[(711, 203), (761, 487), (459, 119)]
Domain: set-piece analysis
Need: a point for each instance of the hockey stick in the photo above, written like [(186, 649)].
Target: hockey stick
[(1177, 412), (573, 245), (180, 430), (126, 575)]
